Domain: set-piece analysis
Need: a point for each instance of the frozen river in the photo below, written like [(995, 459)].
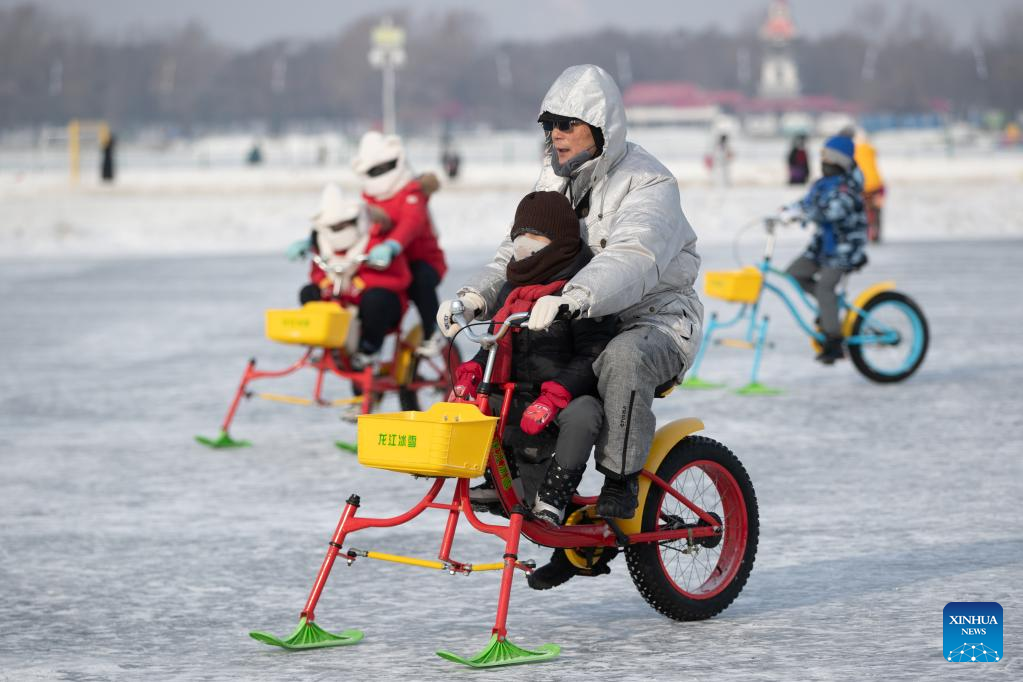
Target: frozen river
[(127, 551)]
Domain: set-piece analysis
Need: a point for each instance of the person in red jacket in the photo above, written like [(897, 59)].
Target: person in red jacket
[(389, 185), (343, 231)]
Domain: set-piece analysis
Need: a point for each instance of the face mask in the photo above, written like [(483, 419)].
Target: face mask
[(829, 169), (525, 245), (342, 240), (570, 166)]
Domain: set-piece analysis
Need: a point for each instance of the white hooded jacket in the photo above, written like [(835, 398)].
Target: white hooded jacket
[(645, 261)]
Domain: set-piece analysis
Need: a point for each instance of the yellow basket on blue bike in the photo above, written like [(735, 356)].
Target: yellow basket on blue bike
[(737, 286), (318, 323), (449, 439)]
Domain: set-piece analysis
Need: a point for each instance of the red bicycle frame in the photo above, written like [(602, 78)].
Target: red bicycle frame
[(364, 379), (588, 535)]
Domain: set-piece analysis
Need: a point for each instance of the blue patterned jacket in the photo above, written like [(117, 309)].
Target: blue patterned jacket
[(835, 204)]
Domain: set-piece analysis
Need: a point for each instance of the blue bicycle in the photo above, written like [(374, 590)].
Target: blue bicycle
[(884, 330)]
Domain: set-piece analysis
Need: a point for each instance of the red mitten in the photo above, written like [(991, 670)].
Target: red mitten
[(553, 399), (467, 377)]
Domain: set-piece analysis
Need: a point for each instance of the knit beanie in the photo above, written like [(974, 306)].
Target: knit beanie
[(839, 150), (548, 214)]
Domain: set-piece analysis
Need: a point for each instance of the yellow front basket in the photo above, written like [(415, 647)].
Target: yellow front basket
[(449, 439), (318, 323), (737, 286)]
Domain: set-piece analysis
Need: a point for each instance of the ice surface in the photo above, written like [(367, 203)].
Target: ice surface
[(128, 552)]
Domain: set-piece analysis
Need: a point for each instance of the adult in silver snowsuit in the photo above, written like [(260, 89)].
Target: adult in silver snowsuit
[(642, 271)]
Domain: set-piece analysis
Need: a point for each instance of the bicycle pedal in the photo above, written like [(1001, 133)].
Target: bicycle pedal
[(495, 509)]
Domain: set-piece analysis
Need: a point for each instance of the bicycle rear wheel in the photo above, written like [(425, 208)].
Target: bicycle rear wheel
[(888, 360), (435, 370), (697, 580)]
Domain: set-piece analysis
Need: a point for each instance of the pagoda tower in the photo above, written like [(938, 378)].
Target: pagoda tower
[(779, 76)]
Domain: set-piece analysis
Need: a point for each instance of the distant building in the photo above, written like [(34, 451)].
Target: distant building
[(779, 75), (779, 107), (682, 103), (676, 103)]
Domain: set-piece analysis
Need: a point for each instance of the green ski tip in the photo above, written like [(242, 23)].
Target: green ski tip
[(222, 441), (757, 388), (699, 384), (346, 446), (309, 636), (502, 652)]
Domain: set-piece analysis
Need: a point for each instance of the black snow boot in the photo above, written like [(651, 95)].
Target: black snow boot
[(483, 494), (832, 350), (619, 497), (484, 497), (557, 571), (556, 492)]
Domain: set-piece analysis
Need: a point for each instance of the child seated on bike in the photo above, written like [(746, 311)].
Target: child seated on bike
[(555, 401), (389, 187), (342, 233), (835, 204)]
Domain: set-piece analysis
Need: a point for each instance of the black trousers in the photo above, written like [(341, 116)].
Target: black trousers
[(423, 292), (379, 313), (309, 293)]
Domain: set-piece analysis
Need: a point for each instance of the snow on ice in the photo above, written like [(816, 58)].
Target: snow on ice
[(128, 551)]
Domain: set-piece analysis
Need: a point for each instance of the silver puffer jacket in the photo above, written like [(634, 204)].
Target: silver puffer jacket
[(645, 261)]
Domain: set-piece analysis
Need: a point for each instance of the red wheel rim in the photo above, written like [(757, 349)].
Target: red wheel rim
[(703, 574)]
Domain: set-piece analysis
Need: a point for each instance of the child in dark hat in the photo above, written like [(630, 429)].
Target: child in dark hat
[(555, 404)]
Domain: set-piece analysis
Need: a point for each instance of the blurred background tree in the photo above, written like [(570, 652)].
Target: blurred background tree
[(53, 68)]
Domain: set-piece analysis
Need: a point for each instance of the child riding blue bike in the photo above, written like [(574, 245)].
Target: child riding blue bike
[(835, 204)]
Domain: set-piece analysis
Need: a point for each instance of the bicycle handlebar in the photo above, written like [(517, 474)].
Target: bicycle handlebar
[(485, 340), (333, 271)]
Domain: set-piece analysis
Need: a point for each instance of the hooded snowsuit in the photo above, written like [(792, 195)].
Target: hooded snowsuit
[(642, 271)]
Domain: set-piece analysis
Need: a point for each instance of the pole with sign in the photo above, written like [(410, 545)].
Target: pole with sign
[(388, 55)]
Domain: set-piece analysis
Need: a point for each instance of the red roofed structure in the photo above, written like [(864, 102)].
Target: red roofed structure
[(778, 101)]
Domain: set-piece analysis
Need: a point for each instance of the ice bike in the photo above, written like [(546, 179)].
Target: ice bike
[(885, 330), (324, 327), (689, 548)]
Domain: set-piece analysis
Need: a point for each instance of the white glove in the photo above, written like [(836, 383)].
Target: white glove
[(791, 214), (547, 308), (473, 303)]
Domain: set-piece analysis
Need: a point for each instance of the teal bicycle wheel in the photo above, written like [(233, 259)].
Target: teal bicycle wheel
[(892, 338)]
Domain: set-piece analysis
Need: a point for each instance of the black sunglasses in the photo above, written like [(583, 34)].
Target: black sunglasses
[(563, 126), (382, 168), (337, 227)]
